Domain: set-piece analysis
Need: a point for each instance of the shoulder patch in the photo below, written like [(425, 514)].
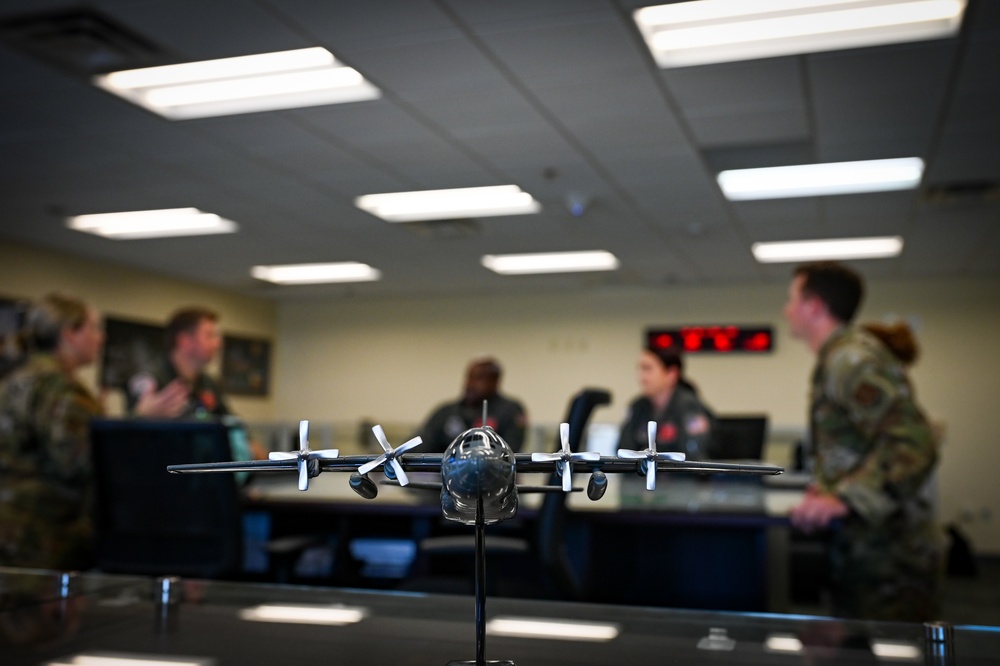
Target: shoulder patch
[(867, 394)]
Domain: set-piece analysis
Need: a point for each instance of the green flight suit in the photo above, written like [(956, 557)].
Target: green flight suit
[(683, 425)]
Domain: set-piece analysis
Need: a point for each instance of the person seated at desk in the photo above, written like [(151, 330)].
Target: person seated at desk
[(46, 477), (180, 387), (482, 382), (683, 423)]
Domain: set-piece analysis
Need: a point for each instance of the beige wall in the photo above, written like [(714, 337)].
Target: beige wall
[(122, 292), (392, 360)]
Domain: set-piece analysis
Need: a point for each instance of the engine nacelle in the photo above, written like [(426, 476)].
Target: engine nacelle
[(597, 485)]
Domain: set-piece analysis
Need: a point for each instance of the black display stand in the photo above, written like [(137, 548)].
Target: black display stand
[(480, 659)]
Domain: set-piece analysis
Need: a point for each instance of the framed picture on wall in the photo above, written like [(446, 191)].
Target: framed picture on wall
[(130, 347), (246, 365), (12, 313)]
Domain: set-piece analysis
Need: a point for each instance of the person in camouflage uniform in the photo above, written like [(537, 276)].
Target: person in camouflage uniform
[(874, 450), (46, 487)]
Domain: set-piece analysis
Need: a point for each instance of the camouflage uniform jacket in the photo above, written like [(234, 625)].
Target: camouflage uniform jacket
[(46, 493), (875, 449)]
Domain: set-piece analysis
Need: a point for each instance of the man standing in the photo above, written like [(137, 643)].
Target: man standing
[(482, 382), (180, 387), (874, 450)]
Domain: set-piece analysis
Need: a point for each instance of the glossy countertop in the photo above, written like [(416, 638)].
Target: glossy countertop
[(49, 618)]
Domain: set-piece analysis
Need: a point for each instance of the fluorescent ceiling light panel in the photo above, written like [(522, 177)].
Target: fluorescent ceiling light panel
[(818, 250), (449, 204), (348, 271), (327, 615), (711, 31), (810, 180), (566, 630), (126, 659), (152, 224), (554, 262), (245, 84)]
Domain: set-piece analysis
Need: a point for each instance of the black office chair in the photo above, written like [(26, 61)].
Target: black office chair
[(549, 536), (152, 522), (535, 564)]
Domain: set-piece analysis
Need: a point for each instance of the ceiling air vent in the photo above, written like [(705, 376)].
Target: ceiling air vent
[(80, 41), (962, 192), (443, 229)]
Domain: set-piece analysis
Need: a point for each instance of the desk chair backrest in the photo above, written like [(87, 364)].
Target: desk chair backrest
[(739, 437), (152, 522), (549, 534)]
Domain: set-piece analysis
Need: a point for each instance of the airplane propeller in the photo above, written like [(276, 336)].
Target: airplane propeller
[(389, 457), (304, 455), (650, 456), (564, 458)]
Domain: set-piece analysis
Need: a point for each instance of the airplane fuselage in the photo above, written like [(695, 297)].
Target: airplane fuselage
[(478, 466)]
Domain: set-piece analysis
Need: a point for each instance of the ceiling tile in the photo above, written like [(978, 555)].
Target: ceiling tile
[(560, 97), (899, 96)]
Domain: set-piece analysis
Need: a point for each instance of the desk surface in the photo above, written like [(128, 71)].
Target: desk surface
[(676, 493), (43, 621), (333, 492)]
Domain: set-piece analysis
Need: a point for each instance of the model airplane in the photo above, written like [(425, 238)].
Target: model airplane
[(478, 479), (477, 465)]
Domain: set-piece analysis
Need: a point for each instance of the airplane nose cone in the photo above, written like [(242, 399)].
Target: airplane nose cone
[(476, 464)]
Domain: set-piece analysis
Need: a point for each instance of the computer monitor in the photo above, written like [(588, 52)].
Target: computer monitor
[(603, 438), (739, 437)]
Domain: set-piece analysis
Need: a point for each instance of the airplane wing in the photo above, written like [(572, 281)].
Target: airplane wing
[(521, 488), (431, 462), (612, 465), (415, 485), (412, 462), (397, 462), (239, 466), (308, 463)]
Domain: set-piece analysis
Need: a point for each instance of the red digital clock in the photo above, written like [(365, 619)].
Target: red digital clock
[(713, 339)]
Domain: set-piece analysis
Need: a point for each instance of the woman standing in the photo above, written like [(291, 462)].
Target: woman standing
[(46, 488)]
